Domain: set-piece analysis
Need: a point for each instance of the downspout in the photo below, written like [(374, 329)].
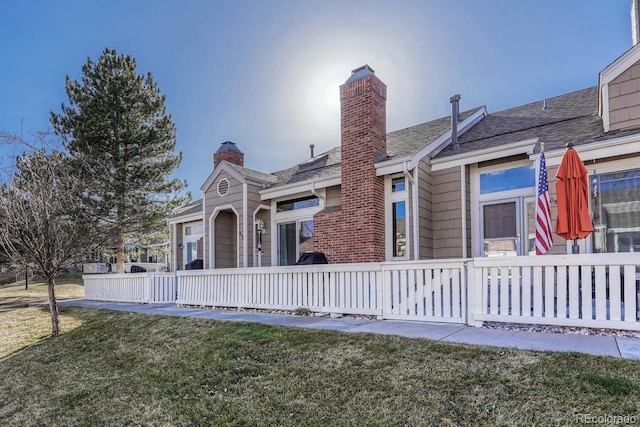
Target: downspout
[(315, 193), (414, 208), (463, 197)]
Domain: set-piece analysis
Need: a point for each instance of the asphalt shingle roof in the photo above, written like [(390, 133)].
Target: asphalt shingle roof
[(572, 117)]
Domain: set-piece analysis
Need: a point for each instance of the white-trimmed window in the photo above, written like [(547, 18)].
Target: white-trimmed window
[(293, 220), (506, 210), (615, 201), (192, 242), (397, 220)]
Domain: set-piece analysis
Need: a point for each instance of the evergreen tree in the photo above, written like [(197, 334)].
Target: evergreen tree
[(122, 140)]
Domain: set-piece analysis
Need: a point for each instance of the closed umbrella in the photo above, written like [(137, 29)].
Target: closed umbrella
[(572, 191)]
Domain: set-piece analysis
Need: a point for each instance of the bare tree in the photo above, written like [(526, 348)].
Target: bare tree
[(42, 221)]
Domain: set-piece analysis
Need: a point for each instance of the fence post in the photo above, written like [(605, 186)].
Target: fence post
[(474, 295), (148, 290)]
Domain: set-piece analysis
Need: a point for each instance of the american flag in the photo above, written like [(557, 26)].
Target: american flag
[(544, 239)]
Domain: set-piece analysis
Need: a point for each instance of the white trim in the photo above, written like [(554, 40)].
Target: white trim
[(212, 218), (463, 212), (222, 166), (395, 165), (294, 215), (520, 147), (416, 215), (206, 234), (174, 249), (478, 200), (245, 231), (289, 190), (620, 65), (183, 219), (606, 122), (625, 145), (390, 198)]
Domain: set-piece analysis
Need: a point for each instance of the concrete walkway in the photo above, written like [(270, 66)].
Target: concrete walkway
[(628, 348)]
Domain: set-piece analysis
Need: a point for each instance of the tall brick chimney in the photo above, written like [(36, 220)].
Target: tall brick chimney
[(229, 152), (355, 232)]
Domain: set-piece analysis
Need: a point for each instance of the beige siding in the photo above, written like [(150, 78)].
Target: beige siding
[(212, 200), (447, 233), (265, 216), (333, 196), (226, 240), (425, 212), (624, 99)]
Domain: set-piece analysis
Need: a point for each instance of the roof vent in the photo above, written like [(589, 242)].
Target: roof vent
[(455, 112), (223, 187)]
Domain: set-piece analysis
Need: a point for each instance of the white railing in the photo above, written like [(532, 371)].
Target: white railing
[(588, 290), (573, 290), (136, 287), (341, 288)]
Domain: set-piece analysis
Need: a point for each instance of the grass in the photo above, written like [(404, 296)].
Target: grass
[(24, 313), (114, 368)]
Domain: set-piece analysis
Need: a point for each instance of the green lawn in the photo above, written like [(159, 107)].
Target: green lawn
[(114, 368)]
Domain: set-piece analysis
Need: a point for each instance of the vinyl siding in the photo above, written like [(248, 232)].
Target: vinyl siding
[(624, 99)]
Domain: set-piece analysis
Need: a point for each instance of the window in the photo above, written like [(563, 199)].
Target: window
[(615, 201), (399, 216), (397, 224), (301, 203), (507, 179), (507, 211), (294, 238), (194, 229), (192, 242)]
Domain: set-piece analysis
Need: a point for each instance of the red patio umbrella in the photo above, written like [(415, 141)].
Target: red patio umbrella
[(572, 191)]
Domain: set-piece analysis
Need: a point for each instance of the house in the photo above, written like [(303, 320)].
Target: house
[(456, 187)]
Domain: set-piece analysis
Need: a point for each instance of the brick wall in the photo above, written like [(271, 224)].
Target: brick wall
[(230, 153), (354, 231)]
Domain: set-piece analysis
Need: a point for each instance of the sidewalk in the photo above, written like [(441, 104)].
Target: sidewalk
[(628, 348)]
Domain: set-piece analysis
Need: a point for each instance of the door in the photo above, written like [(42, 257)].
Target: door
[(500, 225)]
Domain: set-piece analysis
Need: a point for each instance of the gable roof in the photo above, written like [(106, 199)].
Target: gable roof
[(408, 141), (189, 210)]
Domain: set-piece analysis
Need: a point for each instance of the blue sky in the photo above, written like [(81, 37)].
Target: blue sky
[(265, 74)]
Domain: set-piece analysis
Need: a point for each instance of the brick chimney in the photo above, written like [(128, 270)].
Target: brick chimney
[(355, 233), (229, 152)]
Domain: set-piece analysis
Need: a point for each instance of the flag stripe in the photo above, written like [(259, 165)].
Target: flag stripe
[(544, 238)]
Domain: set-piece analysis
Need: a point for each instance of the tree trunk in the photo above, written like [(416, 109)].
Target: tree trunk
[(120, 239), (53, 307), (120, 252)]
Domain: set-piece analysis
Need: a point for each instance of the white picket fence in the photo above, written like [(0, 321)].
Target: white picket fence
[(348, 288), (573, 290), (590, 290), (136, 287)]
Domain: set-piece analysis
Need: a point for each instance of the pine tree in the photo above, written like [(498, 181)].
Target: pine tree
[(122, 140)]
